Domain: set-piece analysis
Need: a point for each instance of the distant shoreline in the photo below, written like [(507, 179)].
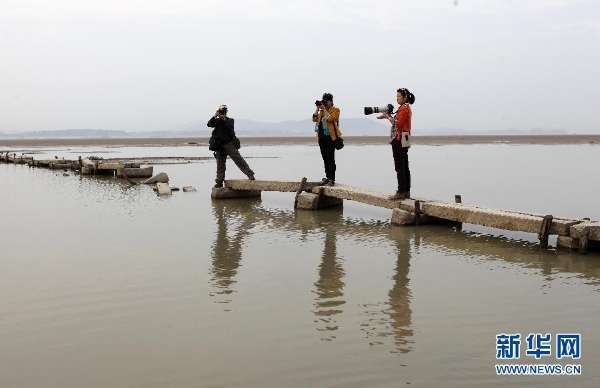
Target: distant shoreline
[(269, 141)]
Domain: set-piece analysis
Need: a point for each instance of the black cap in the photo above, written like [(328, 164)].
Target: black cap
[(327, 97)]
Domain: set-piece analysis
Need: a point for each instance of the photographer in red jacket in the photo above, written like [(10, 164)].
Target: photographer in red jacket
[(400, 141)]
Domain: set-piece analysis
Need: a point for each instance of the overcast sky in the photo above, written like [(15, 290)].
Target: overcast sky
[(160, 64)]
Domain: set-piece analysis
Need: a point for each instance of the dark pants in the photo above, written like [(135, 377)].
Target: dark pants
[(221, 155), (328, 154), (401, 164)]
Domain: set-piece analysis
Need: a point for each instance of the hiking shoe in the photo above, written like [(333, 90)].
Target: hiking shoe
[(330, 183), (218, 185), (251, 177), (324, 181)]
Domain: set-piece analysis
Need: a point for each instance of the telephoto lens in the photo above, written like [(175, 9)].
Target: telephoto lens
[(389, 109)]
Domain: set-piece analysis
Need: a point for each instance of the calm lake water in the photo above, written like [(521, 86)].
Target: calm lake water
[(108, 286)]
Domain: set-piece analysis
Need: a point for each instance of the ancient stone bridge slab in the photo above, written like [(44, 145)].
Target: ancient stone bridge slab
[(368, 197), (262, 185), (500, 219), (468, 214)]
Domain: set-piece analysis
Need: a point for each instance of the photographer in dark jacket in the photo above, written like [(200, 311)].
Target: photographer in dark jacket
[(224, 143)]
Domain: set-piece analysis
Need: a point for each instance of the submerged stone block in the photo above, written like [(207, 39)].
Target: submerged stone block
[(145, 172), (402, 217), (307, 201), (158, 178), (226, 193), (589, 228), (60, 166), (163, 189), (310, 201), (567, 242), (112, 166)]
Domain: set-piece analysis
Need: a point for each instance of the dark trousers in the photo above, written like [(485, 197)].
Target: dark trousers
[(401, 164), (221, 155), (328, 154)]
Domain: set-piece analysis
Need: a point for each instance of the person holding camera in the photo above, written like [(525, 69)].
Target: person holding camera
[(327, 126), (224, 143), (400, 141)]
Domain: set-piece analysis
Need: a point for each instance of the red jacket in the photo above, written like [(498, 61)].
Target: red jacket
[(403, 120)]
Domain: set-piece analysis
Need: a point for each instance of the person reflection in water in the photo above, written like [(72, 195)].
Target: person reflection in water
[(232, 228), (394, 316), (329, 288), (399, 298)]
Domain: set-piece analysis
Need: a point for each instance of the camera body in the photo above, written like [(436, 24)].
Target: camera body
[(327, 97), (389, 109)]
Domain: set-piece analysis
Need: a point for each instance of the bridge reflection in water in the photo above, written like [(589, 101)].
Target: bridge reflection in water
[(381, 319)]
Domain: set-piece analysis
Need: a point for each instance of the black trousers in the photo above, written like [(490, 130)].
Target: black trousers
[(328, 154), (401, 164), (230, 150)]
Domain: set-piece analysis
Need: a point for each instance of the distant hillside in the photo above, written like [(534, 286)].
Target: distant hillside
[(361, 126), (352, 126)]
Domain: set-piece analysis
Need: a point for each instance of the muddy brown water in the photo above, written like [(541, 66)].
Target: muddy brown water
[(103, 285)]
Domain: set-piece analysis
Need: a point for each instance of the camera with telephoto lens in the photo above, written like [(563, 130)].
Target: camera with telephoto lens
[(389, 109)]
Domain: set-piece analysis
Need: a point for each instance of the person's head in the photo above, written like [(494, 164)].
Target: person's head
[(222, 110), (327, 100), (404, 95)]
